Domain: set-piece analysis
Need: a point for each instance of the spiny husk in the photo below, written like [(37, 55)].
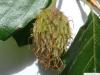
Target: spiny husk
[(51, 34)]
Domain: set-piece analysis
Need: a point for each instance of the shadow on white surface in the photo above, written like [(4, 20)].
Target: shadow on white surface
[(13, 58), (83, 13), (42, 71)]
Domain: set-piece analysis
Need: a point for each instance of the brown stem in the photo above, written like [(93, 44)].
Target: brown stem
[(94, 3)]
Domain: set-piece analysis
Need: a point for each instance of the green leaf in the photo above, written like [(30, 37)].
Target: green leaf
[(84, 53), (15, 14)]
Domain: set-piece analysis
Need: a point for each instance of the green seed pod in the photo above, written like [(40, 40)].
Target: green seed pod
[(51, 33)]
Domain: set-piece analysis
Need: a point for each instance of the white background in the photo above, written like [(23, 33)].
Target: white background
[(16, 60), (91, 73)]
